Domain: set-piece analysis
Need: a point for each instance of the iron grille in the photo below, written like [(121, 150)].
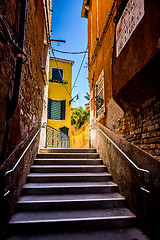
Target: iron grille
[(56, 139)]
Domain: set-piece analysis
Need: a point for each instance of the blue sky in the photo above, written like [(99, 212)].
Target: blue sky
[(68, 25)]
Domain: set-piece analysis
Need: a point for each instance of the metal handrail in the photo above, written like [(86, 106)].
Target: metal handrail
[(18, 161), (19, 145), (32, 140), (139, 169)]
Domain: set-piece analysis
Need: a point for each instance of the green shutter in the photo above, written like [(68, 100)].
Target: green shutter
[(63, 109), (49, 108), (56, 110)]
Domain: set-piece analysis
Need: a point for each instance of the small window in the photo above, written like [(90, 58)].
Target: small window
[(99, 95), (56, 109), (57, 74), (64, 130)]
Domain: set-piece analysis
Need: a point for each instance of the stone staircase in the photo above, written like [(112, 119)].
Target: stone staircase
[(69, 195)]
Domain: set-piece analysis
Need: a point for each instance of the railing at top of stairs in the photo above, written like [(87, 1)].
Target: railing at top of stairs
[(61, 141), (142, 170), (56, 138)]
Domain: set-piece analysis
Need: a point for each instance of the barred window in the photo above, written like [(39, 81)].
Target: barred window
[(99, 95)]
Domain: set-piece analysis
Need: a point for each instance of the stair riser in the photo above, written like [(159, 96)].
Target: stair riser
[(69, 190), (69, 150), (70, 193), (69, 155), (67, 170), (67, 162), (48, 206), (42, 227), (68, 179)]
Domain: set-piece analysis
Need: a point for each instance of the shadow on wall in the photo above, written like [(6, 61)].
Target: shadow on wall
[(144, 205)]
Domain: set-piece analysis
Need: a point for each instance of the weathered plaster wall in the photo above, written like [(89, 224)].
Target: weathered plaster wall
[(10, 10), (142, 46), (129, 179), (132, 89), (135, 85), (114, 114), (98, 61), (29, 110), (131, 80), (27, 116)]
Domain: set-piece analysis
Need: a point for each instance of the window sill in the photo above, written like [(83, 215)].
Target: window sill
[(57, 81), (55, 120)]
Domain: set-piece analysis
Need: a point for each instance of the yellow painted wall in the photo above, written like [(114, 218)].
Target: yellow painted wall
[(80, 138), (57, 91)]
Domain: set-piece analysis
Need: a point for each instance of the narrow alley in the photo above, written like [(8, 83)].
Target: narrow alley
[(80, 119)]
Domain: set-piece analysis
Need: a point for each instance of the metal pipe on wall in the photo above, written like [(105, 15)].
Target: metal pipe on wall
[(13, 100)]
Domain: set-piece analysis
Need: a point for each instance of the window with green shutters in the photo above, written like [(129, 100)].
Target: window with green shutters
[(56, 109)]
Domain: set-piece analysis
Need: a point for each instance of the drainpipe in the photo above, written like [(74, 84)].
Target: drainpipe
[(13, 100)]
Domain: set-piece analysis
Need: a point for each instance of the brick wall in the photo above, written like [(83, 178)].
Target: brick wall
[(145, 206), (7, 59), (141, 126), (28, 114)]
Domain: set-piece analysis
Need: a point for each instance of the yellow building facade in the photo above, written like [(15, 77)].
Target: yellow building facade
[(59, 94)]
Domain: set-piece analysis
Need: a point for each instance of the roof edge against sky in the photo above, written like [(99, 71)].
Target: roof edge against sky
[(62, 60), (85, 8)]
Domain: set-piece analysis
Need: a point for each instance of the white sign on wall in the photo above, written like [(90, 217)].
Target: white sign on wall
[(131, 17)]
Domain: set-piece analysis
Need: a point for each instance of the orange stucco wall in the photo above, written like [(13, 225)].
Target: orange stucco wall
[(80, 138), (103, 58)]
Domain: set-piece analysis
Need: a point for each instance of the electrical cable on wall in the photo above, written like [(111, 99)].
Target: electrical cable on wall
[(59, 71), (77, 73)]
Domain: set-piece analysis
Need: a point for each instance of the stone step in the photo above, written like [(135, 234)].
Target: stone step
[(67, 168), (69, 201), (70, 214), (68, 188), (51, 225), (129, 233), (45, 161), (68, 150), (69, 155), (67, 177)]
